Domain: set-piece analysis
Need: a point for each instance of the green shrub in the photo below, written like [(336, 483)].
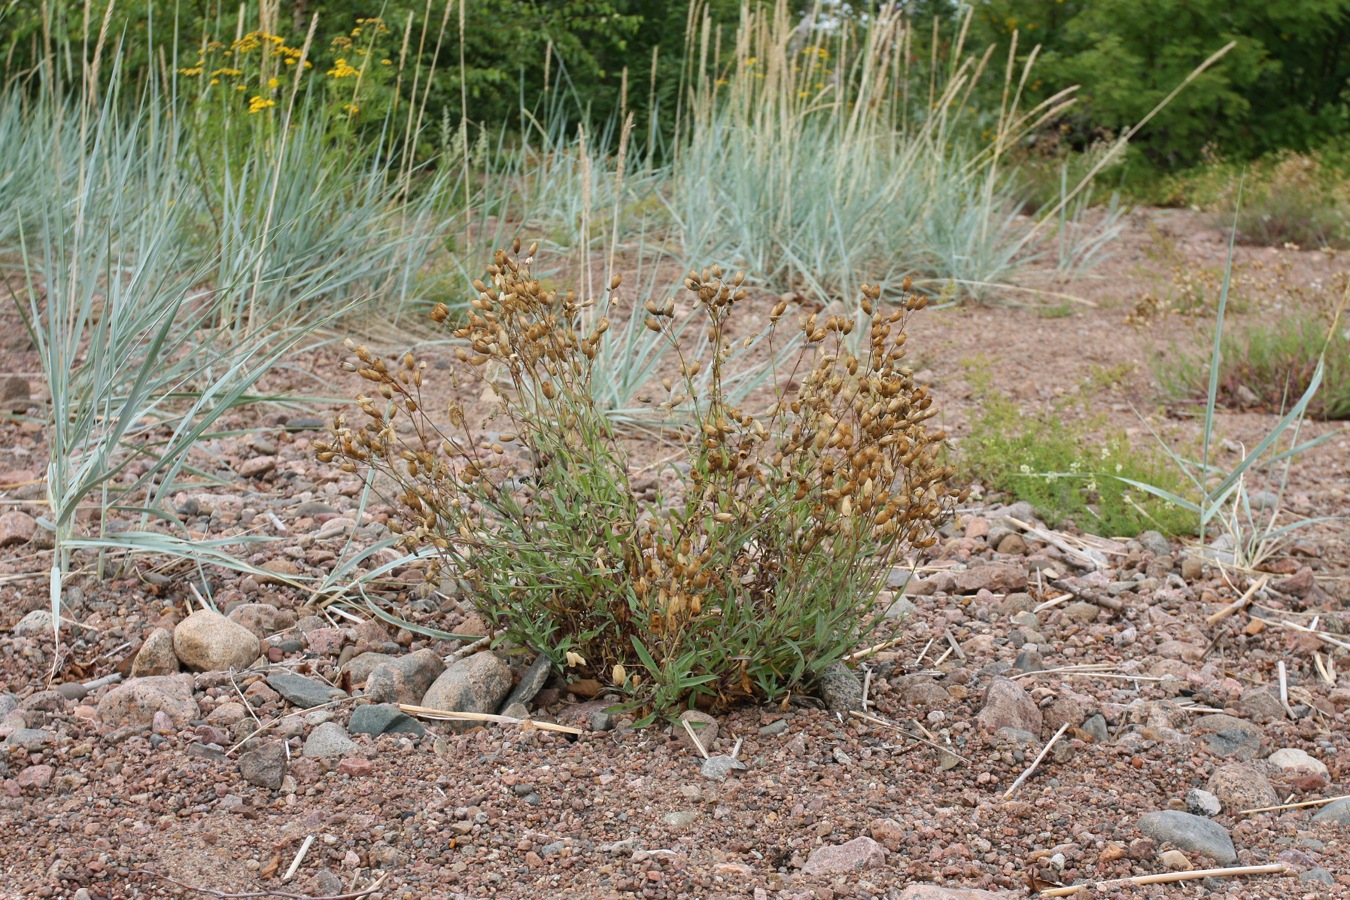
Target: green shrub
[(753, 577), (1065, 473)]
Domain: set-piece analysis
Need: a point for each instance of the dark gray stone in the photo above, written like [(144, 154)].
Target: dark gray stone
[(303, 692), (265, 766), (531, 683), (1187, 832), (1337, 811), (383, 718), (1095, 726), (1155, 543)]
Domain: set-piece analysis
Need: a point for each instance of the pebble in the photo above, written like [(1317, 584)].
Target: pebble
[(1290, 759), (717, 768), (704, 725), (1154, 543), (16, 528), (1187, 832), (39, 622), (264, 766), (1007, 705), (998, 578), (853, 856), (680, 818), (840, 688), (156, 656), (902, 608), (206, 641), (328, 740), (1203, 803), (534, 679), (359, 667), (777, 726), (937, 892), (1095, 727), (1192, 569), (1175, 861)]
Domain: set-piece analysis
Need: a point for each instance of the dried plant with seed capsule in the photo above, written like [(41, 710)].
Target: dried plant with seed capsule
[(754, 577)]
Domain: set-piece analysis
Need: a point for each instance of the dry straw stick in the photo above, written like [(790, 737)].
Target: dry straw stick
[(1272, 869), (1240, 603), (426, 712), (1304, 804), (1036, 762), (694, 737)]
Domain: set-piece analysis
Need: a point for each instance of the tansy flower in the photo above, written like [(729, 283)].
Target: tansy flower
[(342, 70), (272, 83), (258, 104)]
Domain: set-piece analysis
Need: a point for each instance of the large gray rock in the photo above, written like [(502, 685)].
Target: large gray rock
[(854, 856), (1187, 832), (327, 740), (1292, 759), (206, 641), (406, 679), (303, 692), (137, 701), (156, 656), (1338, 812), (1008, 705), (476, 684), (265, 766)]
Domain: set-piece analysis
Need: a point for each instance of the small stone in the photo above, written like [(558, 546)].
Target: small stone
[(840, 688), (257, 466), (717, 768), (680, 818), (1300, 584), (136, 701), (156, 656), (1012, 545), (405, 679), (1154, 543), (206, 641), (1007, 705), (1175, 861), (1095, 727), (478, 684), (1262, 704), (263, 619), (1029, 660), (383, 718), (1242, 786), (1203, 803), (534, 679), (1225, 735), (300, 691), (703, 725), (1187, 832), (602, 720), (854, 856), (997, 578), (39, 621), (901, 608), (937, 892), (36, 777), (888, 833), (278, 571), (15, 394), (1292, 759), (1317, 875), (1338, 811), (30, 739), (328, 740), (16, 528), (325, 641), (778, 726), (1082, 611), (265, 766), (356, 767), (1192, 569), (359, 667)]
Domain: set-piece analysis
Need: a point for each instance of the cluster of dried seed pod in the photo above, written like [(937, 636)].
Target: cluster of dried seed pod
[(827, 486)]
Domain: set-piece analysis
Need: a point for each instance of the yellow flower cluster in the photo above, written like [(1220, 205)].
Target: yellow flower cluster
[(341, 69), (257, 103)]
